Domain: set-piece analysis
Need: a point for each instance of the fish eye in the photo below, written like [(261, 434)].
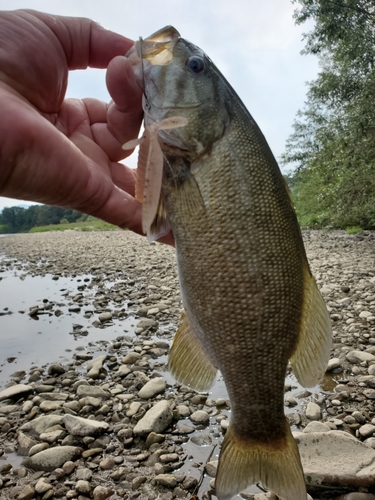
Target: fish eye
[(195, 64)]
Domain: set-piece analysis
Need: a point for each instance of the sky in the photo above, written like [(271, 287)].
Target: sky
[(254, 43)]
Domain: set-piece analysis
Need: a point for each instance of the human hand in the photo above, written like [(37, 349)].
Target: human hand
[(60, 151)]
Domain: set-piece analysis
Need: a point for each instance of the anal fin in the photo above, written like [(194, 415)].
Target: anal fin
[(188, 361), (243, 463), (310, 359)]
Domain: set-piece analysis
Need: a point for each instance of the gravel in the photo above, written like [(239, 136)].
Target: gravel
[(109, 421)]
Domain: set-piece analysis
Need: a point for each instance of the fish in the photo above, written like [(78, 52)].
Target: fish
[(251, 305)]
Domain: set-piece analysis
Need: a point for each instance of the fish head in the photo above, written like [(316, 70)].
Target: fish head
[(179, 80)]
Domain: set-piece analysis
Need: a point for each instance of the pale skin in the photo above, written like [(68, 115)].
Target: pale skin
[(59, 151)]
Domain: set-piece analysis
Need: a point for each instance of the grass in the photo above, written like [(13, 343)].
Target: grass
[(353, 230), (89, 225)]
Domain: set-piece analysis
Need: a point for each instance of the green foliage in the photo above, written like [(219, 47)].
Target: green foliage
[(333, 144), (353, 230), (18, 219), (92, 225)]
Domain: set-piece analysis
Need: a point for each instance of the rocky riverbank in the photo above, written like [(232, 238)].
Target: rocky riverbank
[(112, 422)]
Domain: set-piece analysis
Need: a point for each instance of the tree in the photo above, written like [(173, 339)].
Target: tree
[(333, 144)]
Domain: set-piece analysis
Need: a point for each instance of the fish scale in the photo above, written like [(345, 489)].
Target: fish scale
[(250, 301)]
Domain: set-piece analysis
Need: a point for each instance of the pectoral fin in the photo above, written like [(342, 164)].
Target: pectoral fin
[(188, 361), (310, 359)]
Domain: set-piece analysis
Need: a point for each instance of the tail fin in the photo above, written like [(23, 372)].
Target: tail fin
[(242, 464)]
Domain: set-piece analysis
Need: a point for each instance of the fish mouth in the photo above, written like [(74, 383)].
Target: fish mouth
[(157, 48)]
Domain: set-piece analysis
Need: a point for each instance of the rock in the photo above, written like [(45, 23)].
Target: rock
[(95, 366), (183, 410), (131, 358), (27, 493), (153, 438), (200, 417), (366, 430), (42, 486), (16, 392), (316, 427), (107, 463), (52, 436), (359, 356), (167, 480), (155, 420), (24, 444), (134, 407), (333, 364), (101, 493), (91, 391), (56, 369), (78, 426), (37, 448), (50, 405), (155, 386), (105, 316), (336, 457), (50, 459), (84, 474), (211, 468), (83, 487), (123, 371), (40, 424), (313, 411)]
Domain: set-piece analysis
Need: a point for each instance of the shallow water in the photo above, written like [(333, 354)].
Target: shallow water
[(25, 341)]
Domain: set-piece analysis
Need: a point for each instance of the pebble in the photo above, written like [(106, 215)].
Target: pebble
[(157, 419), (78, 426), (167, 480), (153, 387), (50, 459), (16, 392), (200, 417), (313, 411)]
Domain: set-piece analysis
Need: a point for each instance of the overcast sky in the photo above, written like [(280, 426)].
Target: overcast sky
[(254, 43)]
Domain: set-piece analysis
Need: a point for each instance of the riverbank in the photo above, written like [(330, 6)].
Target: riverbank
[(106, 306)]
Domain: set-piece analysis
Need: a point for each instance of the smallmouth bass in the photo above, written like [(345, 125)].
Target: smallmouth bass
[(251, 304)]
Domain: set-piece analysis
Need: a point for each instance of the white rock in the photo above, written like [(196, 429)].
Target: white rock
[(359, 356), (50, 459), (95, 365), (78, 426), (16, 391), (91, 390), (333, 364), (316, 427), (336, 457), (156, 419), (154, 386), (313, 411), (366, 430), (40, 424), (42, 486), (200, 417)]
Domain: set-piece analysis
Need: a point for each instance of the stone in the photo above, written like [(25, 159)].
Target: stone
[(25, 443), (95, 366), (333, 364), (153, 387), (131, 358), (200, 417), (316, 427), (52, 436), (336, 457), (78, 426), (37, 448), (56, 369), (42, 486), (313, 411), (133, 409), (50, 459), (101, 492), (123, 371), (83, 486), (91, 391), (50, 405), (359, 356), (183, 411), (167, 480), (84, 474), (107, 463), (157, 419), (16, 392), (40, 424), (211, 468), (27, 493), (366, 430)]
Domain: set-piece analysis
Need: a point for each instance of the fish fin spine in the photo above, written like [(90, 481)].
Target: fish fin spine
[(243, 463), (188, 361), (310, 359)]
